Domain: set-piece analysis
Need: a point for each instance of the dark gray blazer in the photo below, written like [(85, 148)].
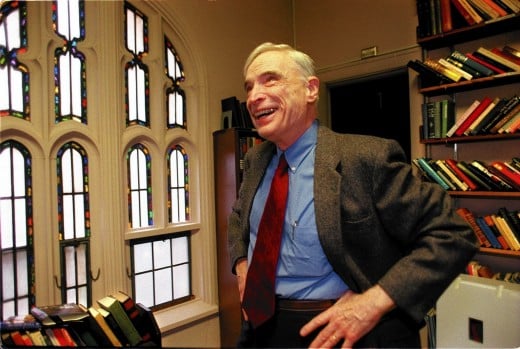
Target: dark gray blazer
[(377, 222)]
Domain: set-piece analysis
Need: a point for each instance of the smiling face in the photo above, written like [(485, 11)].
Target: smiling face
[(281, 101)]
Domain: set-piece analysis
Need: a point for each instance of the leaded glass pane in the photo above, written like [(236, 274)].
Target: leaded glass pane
[(181, 281), (180, 250), (70, 263), (20, 222), (161, 253), (8, 279), (68, 18), (144, 260), (163, 286), (144, 293)]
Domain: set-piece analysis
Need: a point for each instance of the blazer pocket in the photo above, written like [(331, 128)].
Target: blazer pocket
[(361, 237)]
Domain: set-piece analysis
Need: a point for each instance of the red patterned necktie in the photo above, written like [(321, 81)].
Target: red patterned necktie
[(259, 295)]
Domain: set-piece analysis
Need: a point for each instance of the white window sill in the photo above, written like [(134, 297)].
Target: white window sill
[(183, 314)]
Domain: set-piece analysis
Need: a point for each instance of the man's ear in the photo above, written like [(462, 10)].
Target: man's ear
[(313, 88)]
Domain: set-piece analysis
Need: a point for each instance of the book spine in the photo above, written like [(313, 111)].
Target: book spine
[(464, 59), (475, 176), (445, 63), (487, 231), (508, 106), (474, 14), (509, 116), (491, 63), (497, 58), (480, 117), (469, 120), (501, 185), (468, 216), (453, 165), (463, 12), (446, 72), (432, 173), (491, 224), (460, 185)]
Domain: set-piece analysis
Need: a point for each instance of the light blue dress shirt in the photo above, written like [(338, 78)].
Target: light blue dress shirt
[(303, 270)]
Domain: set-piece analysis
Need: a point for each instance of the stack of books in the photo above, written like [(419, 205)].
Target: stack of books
[(500, 230), (117, 321), (459, 66), (475, 268), (235, 114), (498, 115), (476, 175), (442, 16)]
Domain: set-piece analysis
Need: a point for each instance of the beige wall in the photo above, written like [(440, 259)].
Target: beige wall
[(223, 32), (334, 32)]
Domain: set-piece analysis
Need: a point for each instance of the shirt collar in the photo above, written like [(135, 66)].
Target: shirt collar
[(297, 152)]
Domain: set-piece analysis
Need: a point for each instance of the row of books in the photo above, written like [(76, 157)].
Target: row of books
[(475, 268), (235, 114), (499, 115), (500, 230), (117, 321), (476, 175), (442, 16), (459, 66)]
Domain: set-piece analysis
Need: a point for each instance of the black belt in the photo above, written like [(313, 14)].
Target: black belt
[(303, 305)]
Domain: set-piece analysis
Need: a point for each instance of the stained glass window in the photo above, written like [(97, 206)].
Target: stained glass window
[(161, 268), (68, 18), (177, 160), (74, 223), (136, 72), (16, 230), (175, 98), (14, 76), (139, 187)]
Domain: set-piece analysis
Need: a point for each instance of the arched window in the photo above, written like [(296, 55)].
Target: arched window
[(137, 79), (139, 187), (68, 18), (14, 76), (16, 229), (74, 223), (178, 198), (176, 106)]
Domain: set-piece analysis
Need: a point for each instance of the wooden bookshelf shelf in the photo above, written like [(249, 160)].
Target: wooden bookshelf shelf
[(485, 194), (469, 139), (469, 85), (496, 251), (478, 31)]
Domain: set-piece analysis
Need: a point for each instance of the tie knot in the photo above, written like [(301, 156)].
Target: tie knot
[(282, 164)]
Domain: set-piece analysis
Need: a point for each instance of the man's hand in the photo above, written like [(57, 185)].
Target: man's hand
[(241, 270), (350, 318)]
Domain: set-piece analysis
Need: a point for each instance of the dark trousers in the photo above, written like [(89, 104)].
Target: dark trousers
[(282, 331)]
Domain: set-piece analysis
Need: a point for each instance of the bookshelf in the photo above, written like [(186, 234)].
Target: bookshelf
[(487, 147), (229, 146)]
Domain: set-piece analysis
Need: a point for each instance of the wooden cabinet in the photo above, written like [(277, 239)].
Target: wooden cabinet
[(486, 148), (229, 147)]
